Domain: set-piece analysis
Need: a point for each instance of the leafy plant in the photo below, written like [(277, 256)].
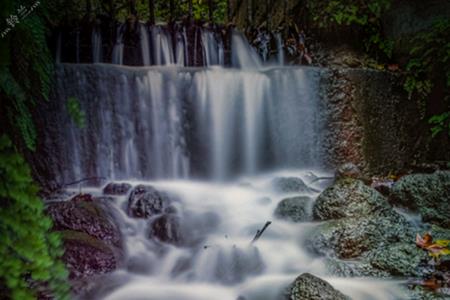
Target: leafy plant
[(26, 69), (75, 112), (441, 124), (363, 14), (30, 253), (430, 62)]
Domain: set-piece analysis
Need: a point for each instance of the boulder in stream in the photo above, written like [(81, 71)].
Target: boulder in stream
[(145, 201), (349, 198), (92, 239), (429, 194), (291, 185), (310, 287), (116, 189), (352, 237), (295, 209), (400, 259)]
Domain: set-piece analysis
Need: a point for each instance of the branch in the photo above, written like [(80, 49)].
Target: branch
[(260, 232)]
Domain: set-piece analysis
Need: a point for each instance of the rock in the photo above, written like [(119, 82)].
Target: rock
[(117, 189), (348, 170), (382, 185), (422, 293), (349, 198), (235, 264), (166, 228), (353, 237), (86, 214), (86, 256), (296, 209), (290, 185), (146, 201), (310, 287), (92, 240), (345, 268), (188, 230), (400, 259), (429, 194)]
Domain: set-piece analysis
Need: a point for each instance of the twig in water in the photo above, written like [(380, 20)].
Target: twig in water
[(260, 232)]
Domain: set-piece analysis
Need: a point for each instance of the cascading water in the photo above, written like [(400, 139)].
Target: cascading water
[(117, 55), (280, 48), (145, 46), (211, 138), (208, 123)]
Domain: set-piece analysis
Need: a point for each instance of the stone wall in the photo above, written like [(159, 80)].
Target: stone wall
[(374, 125)]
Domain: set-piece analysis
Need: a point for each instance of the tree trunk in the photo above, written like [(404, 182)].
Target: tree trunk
[(172, 10), (151, 11), (190, 9), (210, 10), (250, 12), (269, 14), (229, 17), (132, 7), (88, 7)]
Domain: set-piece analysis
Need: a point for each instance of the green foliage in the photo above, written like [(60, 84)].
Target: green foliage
[(429, 56), (75, 112), (361, 13), (429, 63), (30, 253), (441, 123), (26, 69), (73, 11)]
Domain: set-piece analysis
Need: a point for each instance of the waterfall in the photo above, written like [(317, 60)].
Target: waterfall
[(177, 122), (162, 46), (180, 50), (96, 40), (145, 46), (117, 54), (280, 48), (243, 55), (211, 143), (213, 53), (165, 45)]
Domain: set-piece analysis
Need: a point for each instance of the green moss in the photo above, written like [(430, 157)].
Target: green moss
[(84, 238)]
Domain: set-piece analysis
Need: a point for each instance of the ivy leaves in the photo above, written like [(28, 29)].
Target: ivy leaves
[(30, 252), (75, 112)]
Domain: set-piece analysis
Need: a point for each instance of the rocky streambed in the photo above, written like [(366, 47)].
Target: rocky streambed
[(329, 239)]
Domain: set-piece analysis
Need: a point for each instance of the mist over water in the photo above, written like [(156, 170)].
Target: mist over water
[(217, 259)]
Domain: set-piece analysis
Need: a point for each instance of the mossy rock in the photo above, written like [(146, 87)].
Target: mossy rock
[(310, 287), (295, 209), (87, 214), (352, 268), (400, 259), (86, 256), (349, 198), (428, 194), (352, 237)]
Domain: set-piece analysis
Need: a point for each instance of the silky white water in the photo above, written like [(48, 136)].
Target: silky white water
[(213, 139), (223, 264)]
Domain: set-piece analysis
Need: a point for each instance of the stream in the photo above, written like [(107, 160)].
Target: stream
[(213, 139), (215, 259)]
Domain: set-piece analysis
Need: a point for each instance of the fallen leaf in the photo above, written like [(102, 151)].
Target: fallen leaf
[(431, 283), (425, 241)]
